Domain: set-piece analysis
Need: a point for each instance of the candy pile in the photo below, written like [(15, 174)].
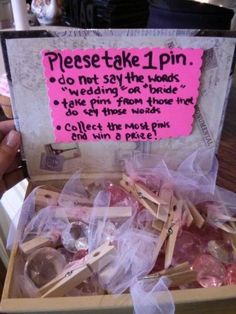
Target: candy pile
[(107, 237)]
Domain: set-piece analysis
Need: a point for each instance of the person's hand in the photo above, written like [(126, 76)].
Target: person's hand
[(10, 171)]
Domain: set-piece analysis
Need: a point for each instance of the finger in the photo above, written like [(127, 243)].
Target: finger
[(8, 150), (6, 127)]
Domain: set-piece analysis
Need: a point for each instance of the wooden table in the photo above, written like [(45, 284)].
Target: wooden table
[(227, 149)]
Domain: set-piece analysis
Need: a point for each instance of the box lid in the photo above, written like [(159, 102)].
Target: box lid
[(46, 160)]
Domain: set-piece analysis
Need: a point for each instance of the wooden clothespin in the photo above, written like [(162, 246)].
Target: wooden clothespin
[(226, 226), (45, 197), (111, 212), (169, 231), (173, 231), (191, 213), (225, 220), (145, 197), (197, 217), (83, 213), (36, 243), (187, 216), (178, 275), (172, 270), (167, 196), (164, 232), (76, 274)]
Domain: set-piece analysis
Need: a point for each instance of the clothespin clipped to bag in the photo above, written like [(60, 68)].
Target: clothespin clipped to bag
[(145, 197), (191, 213), (232, 223), (179, 275), (227, 226), (226, 221), (230, 235), (165, 232), (173, 231), (45, 197), (76, 274), (36, 243), (167, 195), (187, 216), (197, 217), (164, 208), (219, 215), (83, 213), (169, 232)]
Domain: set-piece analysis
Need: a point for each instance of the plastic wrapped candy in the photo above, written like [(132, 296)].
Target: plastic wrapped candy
[(75, 237), (74, 193), (96, 226), (144, 220), (68, 255), (210, 272), (219, 214), (135, 249), (89, 287), (134, 258), (152, 297), (231, 275), (194, 178), (222, 250), (118, 195), (43, 265), (77, 220), (23, 286), (188, 246), (104, 228), (48, 222)]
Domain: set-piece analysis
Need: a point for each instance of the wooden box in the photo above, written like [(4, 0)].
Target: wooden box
[(27, 88), (201, 300)]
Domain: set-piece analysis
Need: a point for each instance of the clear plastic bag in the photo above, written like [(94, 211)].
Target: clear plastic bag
[(151, 297)]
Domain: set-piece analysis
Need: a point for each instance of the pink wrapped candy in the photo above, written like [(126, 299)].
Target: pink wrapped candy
[(188, 246), (221, 250), (210, 272), (118, 195), (231, 275)]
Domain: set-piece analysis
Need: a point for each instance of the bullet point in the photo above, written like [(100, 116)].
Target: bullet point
[(52, 79), (56, 102), (58, 127)]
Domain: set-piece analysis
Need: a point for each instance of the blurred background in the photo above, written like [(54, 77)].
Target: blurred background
[(211, 14)]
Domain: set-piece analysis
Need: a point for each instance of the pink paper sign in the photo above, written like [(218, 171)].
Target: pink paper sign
[(112, 94)]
